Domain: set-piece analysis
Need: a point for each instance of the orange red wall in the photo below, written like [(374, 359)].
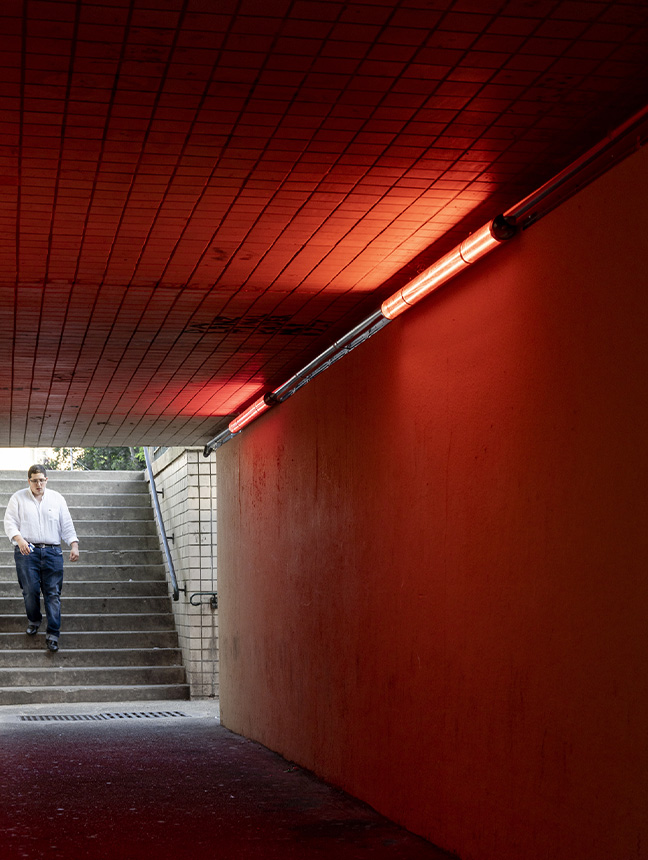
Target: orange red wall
[(433, 559)]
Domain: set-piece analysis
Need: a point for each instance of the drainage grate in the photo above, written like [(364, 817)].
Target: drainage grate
[(75, 718)]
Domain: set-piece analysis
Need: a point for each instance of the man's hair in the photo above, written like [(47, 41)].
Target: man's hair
[(36, 469)]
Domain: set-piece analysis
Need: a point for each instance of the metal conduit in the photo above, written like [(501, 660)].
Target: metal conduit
[(284, 391), (625, 139)]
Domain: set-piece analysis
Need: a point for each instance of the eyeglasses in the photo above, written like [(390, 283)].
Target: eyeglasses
[(37, 480)]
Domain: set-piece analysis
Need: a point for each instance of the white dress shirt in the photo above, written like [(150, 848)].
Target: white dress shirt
[(47, 521)]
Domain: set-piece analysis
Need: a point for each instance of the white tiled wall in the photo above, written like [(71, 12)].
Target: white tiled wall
[(188, 506)]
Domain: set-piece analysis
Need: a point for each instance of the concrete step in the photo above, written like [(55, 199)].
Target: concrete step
[(92, 543), (111, 475), (141, 589), (117, 528), (89, 500), (111, 514), (119, 542), (100, 557), (93, 605), (98, 491), (83, 640), (107, 693), (78, 571), (55, 676), (122, 621), (41, 658)]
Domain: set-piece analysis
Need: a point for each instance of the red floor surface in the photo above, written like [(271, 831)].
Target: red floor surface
[(180, 787)]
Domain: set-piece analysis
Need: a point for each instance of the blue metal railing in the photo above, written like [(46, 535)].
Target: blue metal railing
[(160, 522)]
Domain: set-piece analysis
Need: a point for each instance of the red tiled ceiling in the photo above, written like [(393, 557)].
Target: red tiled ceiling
[(196, 194)]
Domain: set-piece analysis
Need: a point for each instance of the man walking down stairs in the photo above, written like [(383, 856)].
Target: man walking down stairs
[(118, 638)]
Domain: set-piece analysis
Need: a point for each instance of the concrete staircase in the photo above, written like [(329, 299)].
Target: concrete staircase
[(118, 640)]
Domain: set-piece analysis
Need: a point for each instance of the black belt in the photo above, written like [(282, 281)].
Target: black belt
[(43, 545)]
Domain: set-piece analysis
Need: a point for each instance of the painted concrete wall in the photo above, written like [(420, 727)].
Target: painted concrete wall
[(433, 559), (187, 482)]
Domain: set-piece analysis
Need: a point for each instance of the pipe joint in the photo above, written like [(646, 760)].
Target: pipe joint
[(502, 228)]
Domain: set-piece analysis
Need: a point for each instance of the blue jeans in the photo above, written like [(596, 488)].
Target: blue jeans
[(42, 570)]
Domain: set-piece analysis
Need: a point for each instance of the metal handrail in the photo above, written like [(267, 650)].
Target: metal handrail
[(213, 598), (160, 522)]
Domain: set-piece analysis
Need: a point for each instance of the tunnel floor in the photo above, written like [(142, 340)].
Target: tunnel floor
[(89, 781)]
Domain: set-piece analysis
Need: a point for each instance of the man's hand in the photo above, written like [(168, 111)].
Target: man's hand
[(22, 544), (74, 551)]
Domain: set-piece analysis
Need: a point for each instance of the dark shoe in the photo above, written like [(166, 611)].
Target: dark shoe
[(52, 644), (32, 629)]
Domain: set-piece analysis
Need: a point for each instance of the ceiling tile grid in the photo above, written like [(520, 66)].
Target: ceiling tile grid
[(194, 194)]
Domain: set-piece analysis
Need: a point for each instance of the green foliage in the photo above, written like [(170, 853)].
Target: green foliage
[(100, 459)]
